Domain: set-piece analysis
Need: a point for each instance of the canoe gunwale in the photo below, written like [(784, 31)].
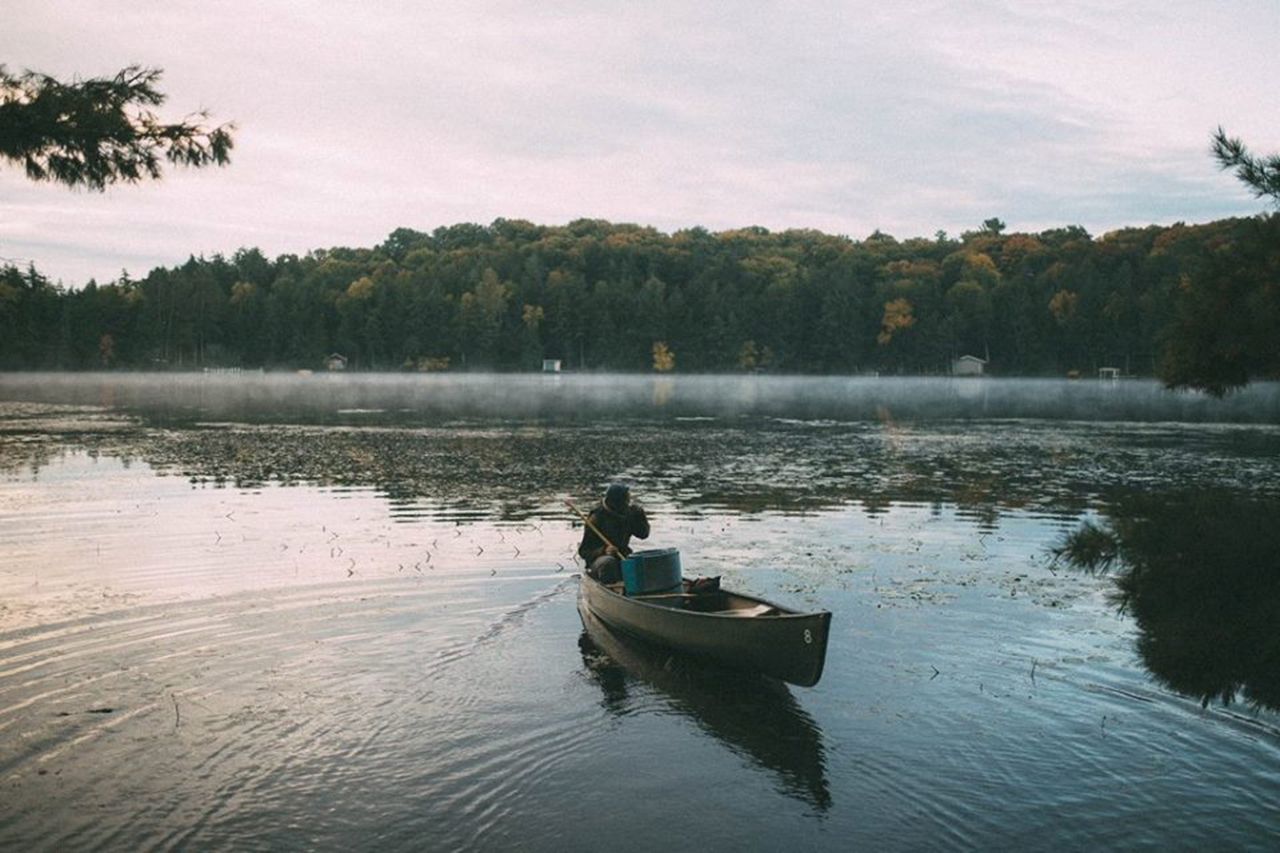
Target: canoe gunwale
[(786, 644)]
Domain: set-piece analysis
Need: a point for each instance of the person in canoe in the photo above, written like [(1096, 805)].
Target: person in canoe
[(618, 519)]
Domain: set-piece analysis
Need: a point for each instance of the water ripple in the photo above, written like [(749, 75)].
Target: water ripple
[(263, 698)]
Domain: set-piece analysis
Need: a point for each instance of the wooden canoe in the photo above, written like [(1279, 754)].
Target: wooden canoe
[(730, 628)]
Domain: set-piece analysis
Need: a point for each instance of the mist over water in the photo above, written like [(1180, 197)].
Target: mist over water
[(568, 397)]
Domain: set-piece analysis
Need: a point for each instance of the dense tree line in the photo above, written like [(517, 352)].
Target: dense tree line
[(603, 296)]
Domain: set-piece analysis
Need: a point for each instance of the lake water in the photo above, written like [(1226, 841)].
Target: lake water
[(265, 613)]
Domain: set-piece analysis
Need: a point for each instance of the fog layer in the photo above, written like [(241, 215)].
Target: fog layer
[(337, 397)]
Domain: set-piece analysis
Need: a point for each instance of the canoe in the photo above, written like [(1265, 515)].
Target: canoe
[(727, 627)]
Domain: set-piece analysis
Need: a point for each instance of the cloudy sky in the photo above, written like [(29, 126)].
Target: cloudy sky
[(356, 118)]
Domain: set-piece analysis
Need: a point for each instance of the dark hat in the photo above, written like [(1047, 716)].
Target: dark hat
[(617, 496)]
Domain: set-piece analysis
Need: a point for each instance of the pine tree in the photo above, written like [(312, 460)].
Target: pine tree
[(96, 132)]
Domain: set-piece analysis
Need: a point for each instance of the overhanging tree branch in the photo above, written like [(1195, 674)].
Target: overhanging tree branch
[(96, 132), (1260, 174)]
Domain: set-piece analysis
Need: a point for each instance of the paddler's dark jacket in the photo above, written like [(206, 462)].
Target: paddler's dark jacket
[(618, 527)]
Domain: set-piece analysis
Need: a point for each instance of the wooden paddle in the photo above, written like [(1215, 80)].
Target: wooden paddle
[(588, 523)]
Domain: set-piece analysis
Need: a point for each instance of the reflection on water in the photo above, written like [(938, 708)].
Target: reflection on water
[(351, 628), (756, 718), (1199, 573), (520, 472)]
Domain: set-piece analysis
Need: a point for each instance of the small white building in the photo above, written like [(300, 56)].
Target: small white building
[(1112, 373), (551, 365), (336, 361), (968, 365)]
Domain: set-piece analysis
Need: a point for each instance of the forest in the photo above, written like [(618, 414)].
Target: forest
[(1152, 301)]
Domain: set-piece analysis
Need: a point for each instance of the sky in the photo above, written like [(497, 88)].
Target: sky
[(357, 118)]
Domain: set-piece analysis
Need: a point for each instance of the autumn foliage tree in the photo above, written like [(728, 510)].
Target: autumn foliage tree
[(897, 316), (597, 296), (664, 360)]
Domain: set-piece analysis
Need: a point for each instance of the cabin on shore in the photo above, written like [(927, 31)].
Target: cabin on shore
[(551, 365), (1112, 373), (335, 361), (968, 365)]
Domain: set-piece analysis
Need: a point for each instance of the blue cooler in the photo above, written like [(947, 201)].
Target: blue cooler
[(651, 572)]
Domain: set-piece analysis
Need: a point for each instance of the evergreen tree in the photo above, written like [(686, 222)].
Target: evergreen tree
[(95, 132), (1260, 174)]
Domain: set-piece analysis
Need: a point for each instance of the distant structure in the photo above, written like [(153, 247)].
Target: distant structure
[(1112, 373), (968, 365), (551, 365), (335, 361), (233, 371)]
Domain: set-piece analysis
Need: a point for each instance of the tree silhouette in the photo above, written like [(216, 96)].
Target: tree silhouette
[(95, 132), (1260, 174)]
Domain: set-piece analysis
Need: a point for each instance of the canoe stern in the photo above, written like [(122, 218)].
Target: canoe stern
[(787, 645)]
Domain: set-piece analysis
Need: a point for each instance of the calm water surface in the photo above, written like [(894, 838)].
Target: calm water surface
[(260, 614)]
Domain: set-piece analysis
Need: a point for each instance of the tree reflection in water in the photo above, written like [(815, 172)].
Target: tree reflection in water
[(1200, 574), (755, 717)]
